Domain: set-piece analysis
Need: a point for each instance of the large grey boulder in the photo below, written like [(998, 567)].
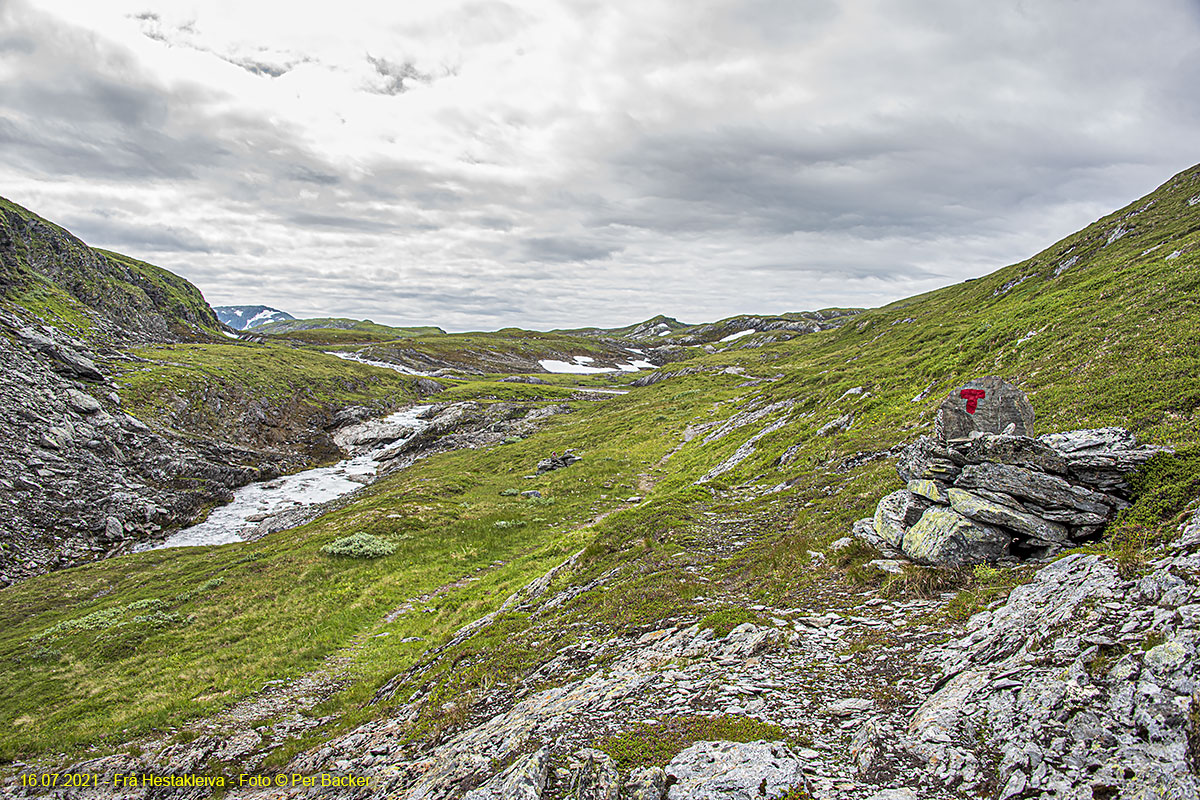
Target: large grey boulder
[(83, 403), (66, 360), (896, 513), (1038, 487), (1020, 451), (943, 536), (1038, 532), (926, 459), (558, 461), (1101, 458), (734, 771), (985, 405)]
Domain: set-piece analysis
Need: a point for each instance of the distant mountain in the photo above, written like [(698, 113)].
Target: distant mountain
[(242, 318)]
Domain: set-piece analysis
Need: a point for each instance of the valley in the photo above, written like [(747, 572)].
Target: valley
[(474, 615)]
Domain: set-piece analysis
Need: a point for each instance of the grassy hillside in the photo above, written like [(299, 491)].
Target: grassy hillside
[(49, 272), (509, 350), (1100, 329), (259, 394), (336, 330)]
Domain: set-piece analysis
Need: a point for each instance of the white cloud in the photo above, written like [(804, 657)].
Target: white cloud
[(568, 162)]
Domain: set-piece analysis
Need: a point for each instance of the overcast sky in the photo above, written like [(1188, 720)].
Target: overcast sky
[(552, 163)]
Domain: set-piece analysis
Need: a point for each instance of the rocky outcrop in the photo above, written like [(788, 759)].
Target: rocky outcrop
[(123, 299), (80, 478), (1082, 685), (983, 498), (734, 771), (557, 461)]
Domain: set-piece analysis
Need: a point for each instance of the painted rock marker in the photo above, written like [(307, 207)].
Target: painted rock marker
[(985, 405)]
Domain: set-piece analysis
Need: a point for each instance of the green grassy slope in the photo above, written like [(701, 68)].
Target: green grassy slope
[(509, 350), (263, 394), (333, 330), (1116, 340), (46, 270)]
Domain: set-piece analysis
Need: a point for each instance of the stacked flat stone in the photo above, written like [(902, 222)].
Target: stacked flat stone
[(983, 498)]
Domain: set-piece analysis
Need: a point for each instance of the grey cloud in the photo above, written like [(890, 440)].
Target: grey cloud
[(134, 237), (743, 156), (260, 67), (555, 249), (341, 222), (394, 76)]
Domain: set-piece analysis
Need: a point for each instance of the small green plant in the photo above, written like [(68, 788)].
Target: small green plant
[(985, 574), (655, 745), (360, 545), (1153, 640), (723, 620), (509, 492)]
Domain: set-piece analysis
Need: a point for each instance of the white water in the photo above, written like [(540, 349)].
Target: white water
[(227, 523)]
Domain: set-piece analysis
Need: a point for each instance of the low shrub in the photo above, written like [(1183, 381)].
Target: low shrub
[(360, 545)]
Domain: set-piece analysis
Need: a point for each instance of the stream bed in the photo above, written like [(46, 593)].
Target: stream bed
[(255, 502)]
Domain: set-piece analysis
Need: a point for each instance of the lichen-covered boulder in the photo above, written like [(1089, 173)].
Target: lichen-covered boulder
[(934, 491), (944, 537), (1037, 531), (896, 512), (593, 776)]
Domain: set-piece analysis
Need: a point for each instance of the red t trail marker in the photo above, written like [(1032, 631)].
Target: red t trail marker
[(972, 396)]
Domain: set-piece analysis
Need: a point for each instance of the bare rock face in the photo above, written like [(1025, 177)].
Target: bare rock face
[(734, 771), (985, 405), (1062, 684)]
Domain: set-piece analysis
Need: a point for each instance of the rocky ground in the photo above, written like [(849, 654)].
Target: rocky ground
[(1082, 684), (83, 479)]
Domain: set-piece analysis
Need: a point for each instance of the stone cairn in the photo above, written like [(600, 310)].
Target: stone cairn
[(558, 461), (982, 488)]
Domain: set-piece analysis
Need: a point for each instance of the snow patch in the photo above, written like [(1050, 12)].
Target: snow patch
[(1065, 265), (386, 365), (230, 335), (1117, 233), (260, 317), (738, 335), (567, 368)]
